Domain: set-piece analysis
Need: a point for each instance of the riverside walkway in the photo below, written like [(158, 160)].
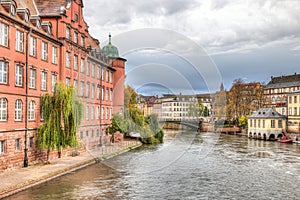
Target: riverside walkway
[(16, 180)]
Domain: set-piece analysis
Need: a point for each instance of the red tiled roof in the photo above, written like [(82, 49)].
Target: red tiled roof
[(50, 7)]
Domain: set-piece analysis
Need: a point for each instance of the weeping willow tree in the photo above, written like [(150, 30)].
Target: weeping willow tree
[(62, 112)]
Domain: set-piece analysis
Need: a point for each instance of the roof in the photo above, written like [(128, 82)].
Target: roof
[(50, 7), (284, 81), (110, 50), (267, 113)]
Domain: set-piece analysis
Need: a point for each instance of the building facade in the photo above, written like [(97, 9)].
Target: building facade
[(42, 42), (294, 112), (266, 124), (277, 90), (184, 107)]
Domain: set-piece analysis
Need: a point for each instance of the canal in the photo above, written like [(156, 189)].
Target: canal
[(187, 166)]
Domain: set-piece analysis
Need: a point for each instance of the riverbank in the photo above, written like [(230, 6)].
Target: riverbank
[(17, 180)]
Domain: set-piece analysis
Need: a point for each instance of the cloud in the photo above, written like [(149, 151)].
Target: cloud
[(242, 36)]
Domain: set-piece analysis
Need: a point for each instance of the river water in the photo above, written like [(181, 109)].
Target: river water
[(187, 166)]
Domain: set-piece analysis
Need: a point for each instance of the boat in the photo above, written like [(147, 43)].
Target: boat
[(285, 141)]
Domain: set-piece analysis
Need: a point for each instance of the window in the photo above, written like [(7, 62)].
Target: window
[(106, 94), (33, 46), (87, 91), (3, 72), (2, 147), (106, 76), (255, 123), (31, 110), (75, 62), (31, 142), (290, 99), (106, 113), (264, 124), (18, 110), (97, 112), (76, 17), (19, 75), (92, 113), (76, 37), (98, 92), (54, 55), (250, 122), (93, 70), (272, 123), (19, 41), (68, 59), (279, 123), (81, 88), (111, 94), (75, 84), (3, 34), (68, 33), (82, 65), (102, 113), (110, 113), (44, 80), (102, 94), (82, 41), (68, 80), (81, 135), (110, 77), (87, 113), (259, 123), (295, 99), (3, 109), (295, 110), (17, 142), (98, 73), (93, 91), (102, 74), (88, 69), (53, 82), (44, 51), (32, 78)]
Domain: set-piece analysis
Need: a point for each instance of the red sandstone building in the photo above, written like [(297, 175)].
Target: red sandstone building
[(42, 42)]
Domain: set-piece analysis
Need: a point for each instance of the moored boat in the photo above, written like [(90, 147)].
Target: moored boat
[(285, 141)]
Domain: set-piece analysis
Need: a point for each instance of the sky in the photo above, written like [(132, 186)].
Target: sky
[(192, 46)]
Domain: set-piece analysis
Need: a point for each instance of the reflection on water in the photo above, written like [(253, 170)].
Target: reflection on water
[(187, 166)]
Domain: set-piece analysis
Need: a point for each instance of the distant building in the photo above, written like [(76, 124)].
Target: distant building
[(266, 124), (219, 104), (294, 112), (184, 107), (277, 90), (145, 104)]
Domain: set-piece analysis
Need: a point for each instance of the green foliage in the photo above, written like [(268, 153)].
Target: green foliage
[(118, 124), (62, 113), (243, 121)]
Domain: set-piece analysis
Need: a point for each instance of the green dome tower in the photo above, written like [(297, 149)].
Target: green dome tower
[(110, 50)]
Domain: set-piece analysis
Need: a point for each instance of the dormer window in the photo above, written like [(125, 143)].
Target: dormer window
[(24, 14), (47, 27), (10, 6), (36, 21), (76, 17)]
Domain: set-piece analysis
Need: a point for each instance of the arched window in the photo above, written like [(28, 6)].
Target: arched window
[(273, 99), (3, 109), (18, 110), (31, 110), (278, 99)]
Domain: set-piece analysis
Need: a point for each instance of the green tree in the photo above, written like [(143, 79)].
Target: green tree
[(62, 113), (118, 124)]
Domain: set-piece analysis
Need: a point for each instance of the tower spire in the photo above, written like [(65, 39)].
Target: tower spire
[(109, 36)]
